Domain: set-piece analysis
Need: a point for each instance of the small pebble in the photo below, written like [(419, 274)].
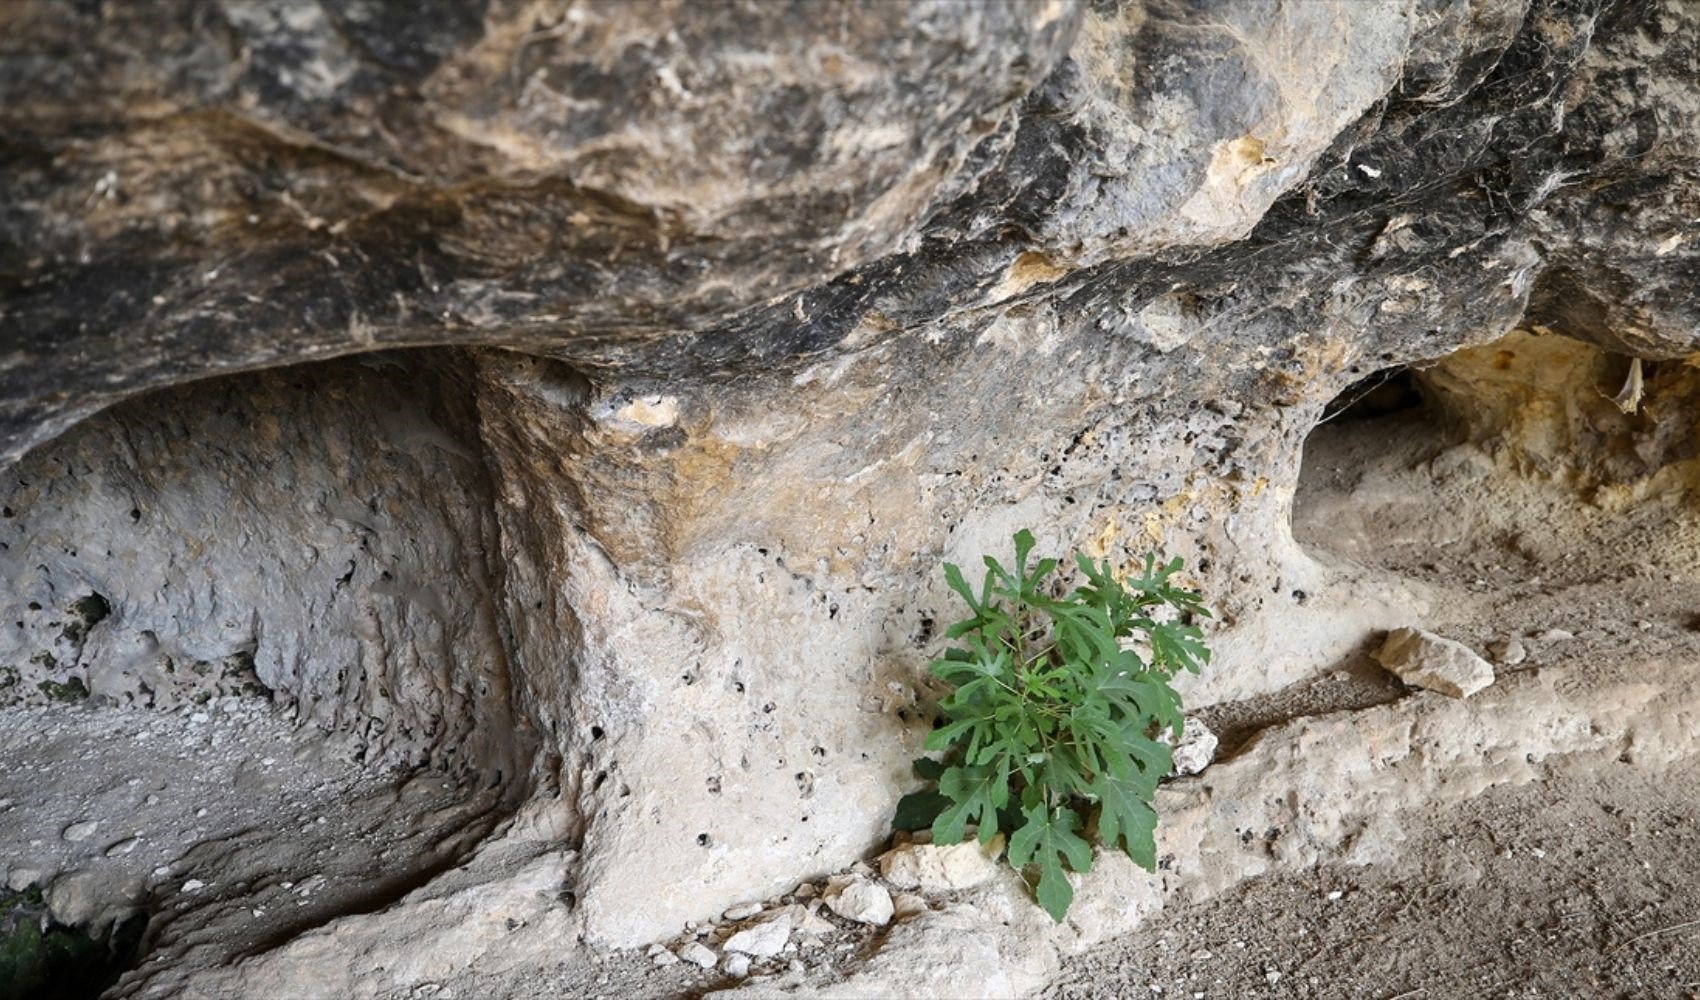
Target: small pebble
[(1509, 652), (81, 830), (742, 911)]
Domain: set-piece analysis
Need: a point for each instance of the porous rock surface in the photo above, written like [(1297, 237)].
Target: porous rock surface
[(664, 352)]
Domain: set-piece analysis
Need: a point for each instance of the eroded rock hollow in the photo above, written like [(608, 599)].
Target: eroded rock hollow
[(577, 401)]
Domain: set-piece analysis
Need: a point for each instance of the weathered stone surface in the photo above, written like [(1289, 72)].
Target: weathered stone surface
[(761, 313), (1423, 659), (555, 172), (324, 533), (941, 868)]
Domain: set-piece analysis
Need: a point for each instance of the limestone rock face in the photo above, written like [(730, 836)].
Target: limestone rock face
[(689, 340)]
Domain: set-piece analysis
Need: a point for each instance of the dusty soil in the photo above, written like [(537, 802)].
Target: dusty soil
[(1585, 884), (1580, 885), (226, 825)]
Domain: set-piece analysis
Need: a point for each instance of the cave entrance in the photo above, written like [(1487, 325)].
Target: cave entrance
[(1534, 486), (1380, 394), (1349, 503), (252, 630), (40, 957)]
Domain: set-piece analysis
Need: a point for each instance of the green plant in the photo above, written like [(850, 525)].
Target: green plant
[(1055, 717)]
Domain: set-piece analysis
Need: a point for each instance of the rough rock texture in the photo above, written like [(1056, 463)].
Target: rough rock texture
[(1620, 427), (766, 311), (1423, 659), (941, 867), (325, 534)]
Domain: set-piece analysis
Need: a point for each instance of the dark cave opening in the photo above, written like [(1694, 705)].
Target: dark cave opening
[(1379, 394), (279, 578)]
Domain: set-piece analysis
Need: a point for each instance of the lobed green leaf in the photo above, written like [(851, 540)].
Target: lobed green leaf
[(1052, 705)]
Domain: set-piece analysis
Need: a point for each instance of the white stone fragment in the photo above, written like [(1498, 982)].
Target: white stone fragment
[(1426, 660), (698, 954), (762, 940), (81, 830), (856, 898), (811, 922), (1195, 751), (1509, 652), (737, 966), (907, 904), (941, 868)]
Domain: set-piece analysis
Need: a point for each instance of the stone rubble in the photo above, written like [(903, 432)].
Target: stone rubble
[(935, 868), (1423, 659), (857, 898), (764, 939), (1195, 750)]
